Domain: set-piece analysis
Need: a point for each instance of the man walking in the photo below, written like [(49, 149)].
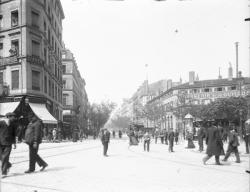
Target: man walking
[(171, 140), (8, 133), (146, 138), (105, 137), (33, 137), (233, 146), (201, 135), (214, 145), (246, 135)]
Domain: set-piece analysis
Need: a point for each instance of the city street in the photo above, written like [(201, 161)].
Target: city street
[(76, 167)]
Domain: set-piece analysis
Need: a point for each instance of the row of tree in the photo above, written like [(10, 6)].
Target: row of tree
[(99, 114)]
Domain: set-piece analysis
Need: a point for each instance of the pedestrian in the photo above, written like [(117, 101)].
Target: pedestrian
[(105, 138), (171, 140), (162, 134), (233, 146), (33, 137), (201, 135), (176, 137), (246, 135), (166, 137), (120, 134), (8, 133), (113, 133), (146, 138), (214, 144), (156, 135), (54, 135)]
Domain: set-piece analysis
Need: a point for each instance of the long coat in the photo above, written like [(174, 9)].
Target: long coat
[(34, 132), (8, 133), (214, 142), (105, 137)]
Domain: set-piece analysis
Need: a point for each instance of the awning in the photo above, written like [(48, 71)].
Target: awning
[(8, 107), (42, 113)]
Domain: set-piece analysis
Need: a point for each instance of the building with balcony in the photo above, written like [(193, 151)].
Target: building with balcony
[(75, 99), (30, 57)]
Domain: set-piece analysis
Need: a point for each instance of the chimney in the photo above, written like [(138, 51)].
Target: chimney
[(169, 84), (219, 77), (230, 72), (191, 77)]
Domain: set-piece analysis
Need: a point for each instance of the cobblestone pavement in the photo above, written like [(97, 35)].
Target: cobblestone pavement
[(77, 167)]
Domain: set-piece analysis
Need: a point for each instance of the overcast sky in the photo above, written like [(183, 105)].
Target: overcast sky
[(113, 40)]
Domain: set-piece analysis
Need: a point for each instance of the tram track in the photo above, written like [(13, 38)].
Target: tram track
[(183, 162)]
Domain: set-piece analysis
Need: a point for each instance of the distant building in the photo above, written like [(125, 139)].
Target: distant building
[(198, 92), (75, 99), (30, 58)]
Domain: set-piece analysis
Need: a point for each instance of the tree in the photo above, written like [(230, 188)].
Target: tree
[(99, 114), (120, 122)]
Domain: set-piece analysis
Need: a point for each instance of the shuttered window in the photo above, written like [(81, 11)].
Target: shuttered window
[(15, 79), (1, 78), (36, 80), (35, 48)]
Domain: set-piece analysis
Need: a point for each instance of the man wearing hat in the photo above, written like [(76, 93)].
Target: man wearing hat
[(105, 137), (33, 137), (8, 133)]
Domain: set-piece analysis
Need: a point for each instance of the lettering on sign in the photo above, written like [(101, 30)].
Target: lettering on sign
[(223, 94)]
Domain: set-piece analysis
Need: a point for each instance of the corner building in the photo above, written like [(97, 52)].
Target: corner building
[(30, 58)]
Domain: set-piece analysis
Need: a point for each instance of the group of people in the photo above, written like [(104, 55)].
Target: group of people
[(11, 131)]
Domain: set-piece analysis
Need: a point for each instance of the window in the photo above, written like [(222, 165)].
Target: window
[(52, 90), (206, 90), (65, 99), (49, 88), (1, 77), (14, 47), (1, 50), (36, 80), (45, 56), (1, 21), (45, 84), (15, 79), (35, 19), (14, 18), (45, 28), (233, 88), (219, 89), (35, 48), (64, 69), (64, 84)]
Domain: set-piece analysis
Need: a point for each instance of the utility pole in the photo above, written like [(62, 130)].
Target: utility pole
[(237, 63)]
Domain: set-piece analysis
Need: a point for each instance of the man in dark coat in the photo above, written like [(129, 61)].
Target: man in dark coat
[(214, 145), (8, 133), (246, 135), (105, 137), (171, 140), (33, 137), (233, 146), (176, 137), (201, 135), (166, 137)]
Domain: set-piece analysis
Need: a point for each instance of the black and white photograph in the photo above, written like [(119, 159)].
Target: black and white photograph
[(124, 95)]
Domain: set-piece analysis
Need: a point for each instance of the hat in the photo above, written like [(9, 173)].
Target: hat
[(10, 114)]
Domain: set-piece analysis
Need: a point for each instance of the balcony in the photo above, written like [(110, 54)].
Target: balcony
[(8, 60), (35, 60)]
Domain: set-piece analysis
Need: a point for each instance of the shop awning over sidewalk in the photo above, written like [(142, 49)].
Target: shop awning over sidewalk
[(42, 113), (8, 107)]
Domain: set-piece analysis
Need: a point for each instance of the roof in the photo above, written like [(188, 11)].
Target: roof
[(213, 83), (206, 84)]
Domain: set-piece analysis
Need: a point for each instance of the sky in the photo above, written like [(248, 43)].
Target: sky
[(113, 41)]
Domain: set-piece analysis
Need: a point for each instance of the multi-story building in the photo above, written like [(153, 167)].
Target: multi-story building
[(197, 92), (75, 99), (30, 57), (145, 93)]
